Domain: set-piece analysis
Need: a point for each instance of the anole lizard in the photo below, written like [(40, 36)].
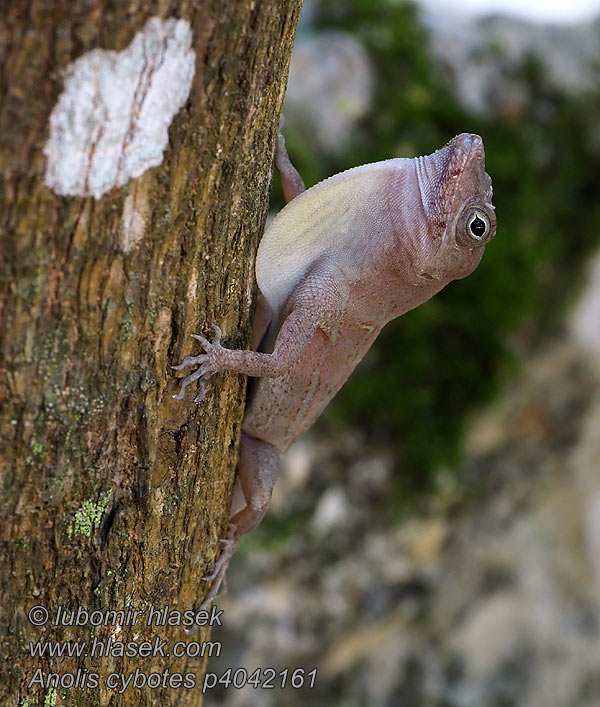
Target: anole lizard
[(337, 263)]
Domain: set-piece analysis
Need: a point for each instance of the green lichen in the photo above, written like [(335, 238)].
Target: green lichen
[(50, 698), (128, 329), (37, 452), (87, 516), (147, 384), (27, 702)]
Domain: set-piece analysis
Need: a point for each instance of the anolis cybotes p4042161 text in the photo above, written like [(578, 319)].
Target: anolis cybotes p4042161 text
[(337, 263)]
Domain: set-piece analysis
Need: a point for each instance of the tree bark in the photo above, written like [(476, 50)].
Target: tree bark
[(114, 495)]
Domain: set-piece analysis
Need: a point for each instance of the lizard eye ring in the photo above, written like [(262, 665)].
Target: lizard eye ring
[(477, 225)]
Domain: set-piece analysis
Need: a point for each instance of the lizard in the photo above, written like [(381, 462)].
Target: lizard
[(337, 263)]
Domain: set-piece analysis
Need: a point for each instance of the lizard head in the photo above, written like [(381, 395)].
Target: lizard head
[(456, 193)]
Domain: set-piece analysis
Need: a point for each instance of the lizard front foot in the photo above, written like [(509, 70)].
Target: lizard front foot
[(208, 363)]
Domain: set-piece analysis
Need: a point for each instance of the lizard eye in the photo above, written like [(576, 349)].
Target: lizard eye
[(478, 225)]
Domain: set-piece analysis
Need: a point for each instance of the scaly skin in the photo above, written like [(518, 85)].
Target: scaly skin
[(336, 264)]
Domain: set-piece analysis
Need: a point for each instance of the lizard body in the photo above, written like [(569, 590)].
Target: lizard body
[(337, 263)]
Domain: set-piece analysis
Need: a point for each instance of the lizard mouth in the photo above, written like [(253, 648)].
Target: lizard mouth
[(465, 153)]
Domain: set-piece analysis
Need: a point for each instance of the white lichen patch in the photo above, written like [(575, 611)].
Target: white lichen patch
[(111, 122), (133, 223)]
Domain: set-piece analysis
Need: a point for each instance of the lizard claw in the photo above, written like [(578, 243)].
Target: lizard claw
[(218, 334), (210, 344), (202, 392), (190, 361), (205, 342)]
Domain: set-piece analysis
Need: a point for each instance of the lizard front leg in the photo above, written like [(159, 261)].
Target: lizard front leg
[(293, 339), (317, 301)]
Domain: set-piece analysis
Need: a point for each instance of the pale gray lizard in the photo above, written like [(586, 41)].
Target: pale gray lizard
[(337, 263)]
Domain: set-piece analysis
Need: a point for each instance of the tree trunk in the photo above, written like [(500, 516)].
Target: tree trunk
[(114, 495)]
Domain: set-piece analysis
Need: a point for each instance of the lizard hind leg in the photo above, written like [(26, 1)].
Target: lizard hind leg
[(258, 469)]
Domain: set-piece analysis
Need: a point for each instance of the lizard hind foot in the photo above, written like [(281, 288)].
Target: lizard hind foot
[(218, 572)]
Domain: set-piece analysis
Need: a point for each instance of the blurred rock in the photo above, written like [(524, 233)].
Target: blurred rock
[(329, 88), (585, 323), (480, 56), (331, 511)]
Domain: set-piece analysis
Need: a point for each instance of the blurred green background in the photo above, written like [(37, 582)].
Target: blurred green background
[(434, 366)]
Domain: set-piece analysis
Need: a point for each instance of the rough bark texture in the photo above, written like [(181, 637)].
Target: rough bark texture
[(114, 495)]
